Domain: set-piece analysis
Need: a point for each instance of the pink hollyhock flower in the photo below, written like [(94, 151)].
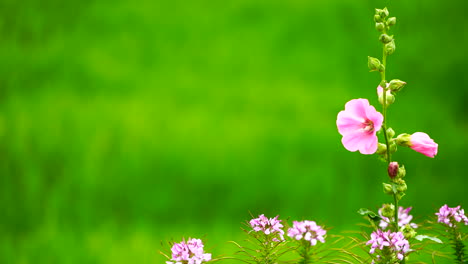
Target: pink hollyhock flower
[(358, 124), (423, 144)]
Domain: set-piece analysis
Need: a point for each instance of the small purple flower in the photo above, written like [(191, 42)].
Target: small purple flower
[(307, 230), (268, 226), (395, 241), (450, 216), (189, 253), (404, 218)]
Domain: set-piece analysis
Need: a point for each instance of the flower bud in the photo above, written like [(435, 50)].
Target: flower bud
[(374, 64), (401, 172), (389, 97), (390, 132), (401, 185), (403, 140), (381, 149), (380, 26), (393, 147), (390, 47), (391, 21), (378, 19), (388, 210), (383, 13), (387, 188), (408, 231), (384, 38), (393, 169), (396, 85)]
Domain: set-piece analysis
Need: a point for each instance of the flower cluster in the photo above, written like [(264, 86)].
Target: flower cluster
[(451, 216), (307, 230), (394, 242), (404, 218), (190, 252), (268, 226)]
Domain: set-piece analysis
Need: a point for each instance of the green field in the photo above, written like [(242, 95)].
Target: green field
[(127, 123)]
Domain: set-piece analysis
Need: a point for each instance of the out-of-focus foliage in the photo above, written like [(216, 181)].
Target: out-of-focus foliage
[(124, 123)]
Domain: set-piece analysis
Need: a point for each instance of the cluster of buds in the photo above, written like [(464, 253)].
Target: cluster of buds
[(397, 185), (383, 23), (387, 215)]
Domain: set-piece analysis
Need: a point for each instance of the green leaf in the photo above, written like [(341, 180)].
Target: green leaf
[(422, 237), (366, 212)]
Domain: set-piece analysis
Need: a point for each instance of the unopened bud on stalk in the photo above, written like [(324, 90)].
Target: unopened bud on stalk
[(381, 149), (396, 85), (390, 132), (393, 169), (374, 64), (391, 21), (401, 172), (383, 13), (388, 210), (378, 19), (390, 47), (387, 188), (380, 26), (384, 38), (401, 185), (408, 232), (393, 147), (403, 140)]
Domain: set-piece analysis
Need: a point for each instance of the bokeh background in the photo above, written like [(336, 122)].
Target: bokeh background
[(126, 123)]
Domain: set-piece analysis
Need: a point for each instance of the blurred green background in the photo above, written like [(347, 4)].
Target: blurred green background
[(127, 123)]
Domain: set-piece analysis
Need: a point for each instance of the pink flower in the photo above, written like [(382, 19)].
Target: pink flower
[(358, 124), (307, 230), (271, 226), (450, 216), (423, 144)]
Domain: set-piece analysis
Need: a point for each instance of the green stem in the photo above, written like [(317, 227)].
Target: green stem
[(384, 126)]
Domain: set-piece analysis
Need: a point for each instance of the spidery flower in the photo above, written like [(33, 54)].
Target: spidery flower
[(190, 252), (451, 216), (270, 226), (388, 244), (307, 230)]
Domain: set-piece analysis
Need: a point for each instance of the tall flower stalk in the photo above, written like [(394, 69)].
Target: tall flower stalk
[(359, 125)]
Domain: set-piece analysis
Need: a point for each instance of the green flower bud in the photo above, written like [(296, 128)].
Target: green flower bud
[(381, 149), (380, 26), (403, 140), (408, 231), (374, 64), (389, 98), (401, 185), (388, 210), (396, 85), (390, 47), (387, 188), (390, 132), (391, 21), (383, 13), (401, 172), (393, 147), (378, 19), (384, 38)]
